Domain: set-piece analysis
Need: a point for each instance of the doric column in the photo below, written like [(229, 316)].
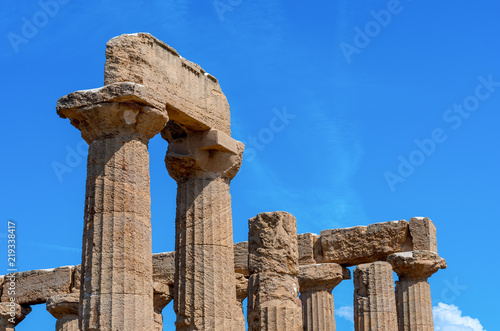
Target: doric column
[(11, 314), (203, 164), (163, 294), (273, 287), (374, 300), (241, 295), (117, 121), (65, 309), (413, 292), (316, 284)]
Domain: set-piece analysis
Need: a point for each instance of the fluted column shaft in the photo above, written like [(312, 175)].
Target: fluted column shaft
[(374, 299), (205, 286), (413, 292), (316, 284), (273, 286), (117, 273)]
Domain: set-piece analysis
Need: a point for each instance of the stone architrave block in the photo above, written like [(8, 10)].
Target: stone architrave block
[(164, 268), (36, 286), (363, 244), (193, 96), (423, 234), (309, 248), (241, 258)]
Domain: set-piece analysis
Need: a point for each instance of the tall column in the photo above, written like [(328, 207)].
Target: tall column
[(65, 309), (117, 121), (11, 314), (241, 295), (316, 284), (413, 292), (203, 164), (273, 287), (374, 300)]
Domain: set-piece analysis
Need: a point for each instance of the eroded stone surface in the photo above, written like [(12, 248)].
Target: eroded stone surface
[(164, 268), (316, 284), (309, 248), (272, 241), (273, 287), (11, 314), (374, 300), (241, 258), (35, 286), (423, 233), (416, 264), (363, 244), (193, 97), (65, 308)]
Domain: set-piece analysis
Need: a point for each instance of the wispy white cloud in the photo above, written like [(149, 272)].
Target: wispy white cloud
[(345, 312), (449, 318)]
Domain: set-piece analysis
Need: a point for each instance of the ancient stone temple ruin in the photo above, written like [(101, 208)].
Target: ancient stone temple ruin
[(287, 277)]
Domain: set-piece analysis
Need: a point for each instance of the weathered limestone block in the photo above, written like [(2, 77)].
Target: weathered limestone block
[(65, 308), (163, 294), (241, 258), (423, 234), (36, 286), (193, 97), (117, 121), (205, 289), (364, 244), (164, 268), (316, 284), (374, 300), (11, 314), (413, 292), (273, 287), (309, 248)]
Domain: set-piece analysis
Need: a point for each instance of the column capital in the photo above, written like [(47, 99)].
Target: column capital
[(416, 264), (120, 109), (206, 154), (163, 295), (13, 313), (321, 277), (63, 305), (241, 287)]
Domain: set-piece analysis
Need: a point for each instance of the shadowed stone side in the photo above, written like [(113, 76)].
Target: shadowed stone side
[(316, 284), (203, 164), (273, 264), (374, 300), (11, 314), (117, 276), (413, 292)]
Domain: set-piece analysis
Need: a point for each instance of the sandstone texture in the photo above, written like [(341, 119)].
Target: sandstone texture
[(413, 292), (309, 248), (36, 286), (193, 97), (241, 258), (273, 287), (117, 121), (272, 242), (164, 268), (11, 314), (423, 234), (316, 284), (374, 300), (363, 244), (65, 308)]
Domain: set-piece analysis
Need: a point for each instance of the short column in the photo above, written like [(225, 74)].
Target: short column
[(65, 308), (374, 300), (273, 287), (163, 295), (11, 314), (413, 292), (117, 122), (316, 284), (241, 295)]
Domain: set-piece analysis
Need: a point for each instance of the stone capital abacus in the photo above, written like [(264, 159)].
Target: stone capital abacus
[(65, 308)]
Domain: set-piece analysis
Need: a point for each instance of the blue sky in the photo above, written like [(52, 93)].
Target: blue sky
[(388, 110)]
